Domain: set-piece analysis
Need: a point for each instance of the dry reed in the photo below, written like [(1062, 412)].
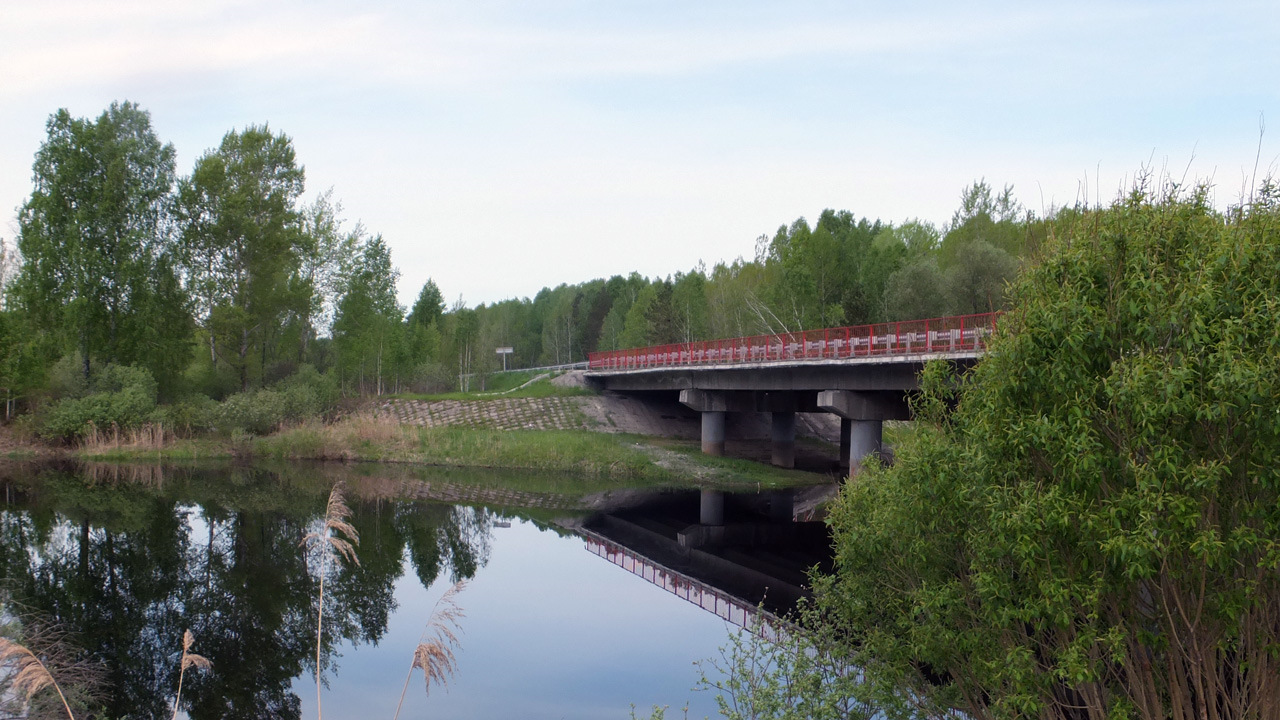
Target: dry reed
[(330, 542), (151, 436), (189, 659), (30, 675), (434, 652)]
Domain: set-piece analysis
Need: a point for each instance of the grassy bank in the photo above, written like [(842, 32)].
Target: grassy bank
[(627, 458)]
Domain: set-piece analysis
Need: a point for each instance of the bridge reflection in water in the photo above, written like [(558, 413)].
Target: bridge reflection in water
[(730, 554)]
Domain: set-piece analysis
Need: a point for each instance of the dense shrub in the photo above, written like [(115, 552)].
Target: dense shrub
[(303, 395), (256, 412), (1090, 526), (432, 378), (190, 415), (65, 378), (119, 396), (213, 382)]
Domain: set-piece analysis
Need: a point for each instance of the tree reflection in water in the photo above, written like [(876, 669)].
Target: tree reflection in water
[(126, 567)]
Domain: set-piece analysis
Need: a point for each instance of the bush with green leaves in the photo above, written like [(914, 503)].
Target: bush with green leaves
[(1088, 524), (773, 670), (305, 394), (119, 396), (191, 415)]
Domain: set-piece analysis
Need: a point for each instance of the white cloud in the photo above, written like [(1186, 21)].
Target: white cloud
[(576, 141)]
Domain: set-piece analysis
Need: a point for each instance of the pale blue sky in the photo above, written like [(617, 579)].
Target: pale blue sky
[(500, 147)]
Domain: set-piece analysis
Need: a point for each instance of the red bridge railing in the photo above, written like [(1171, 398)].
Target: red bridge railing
[(962, 333)]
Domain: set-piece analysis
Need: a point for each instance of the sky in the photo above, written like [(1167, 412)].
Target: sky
[(503, 146)]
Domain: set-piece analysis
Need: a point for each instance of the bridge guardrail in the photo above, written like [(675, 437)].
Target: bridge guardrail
[(961, 333)]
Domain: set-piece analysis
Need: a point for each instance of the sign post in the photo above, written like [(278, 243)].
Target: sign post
[(504, 352)]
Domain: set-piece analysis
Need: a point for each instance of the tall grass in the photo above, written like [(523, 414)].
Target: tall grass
[(434, 652), (30, 675), (151, 436), (336, 537), (366, 438), (189, 659)]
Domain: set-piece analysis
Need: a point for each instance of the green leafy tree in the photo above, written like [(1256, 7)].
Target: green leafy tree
[(624, 292), (915, 292), (244, 246), (976, 279), (597, 301), (996, 218), (422, 328), (559, 323), (461, 340), (689, 305), (429, 307), (98, 272), (327, 255), (22, 360), (1088, 526), (367, 327), (806, 289), (650, 321), (8, 265), (854, 239), (734, 307)]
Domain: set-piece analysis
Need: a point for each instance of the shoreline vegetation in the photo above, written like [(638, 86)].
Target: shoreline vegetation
[(369, 439), (369, 433)]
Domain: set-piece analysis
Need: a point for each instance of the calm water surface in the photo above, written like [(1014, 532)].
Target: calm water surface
[(129, 559)]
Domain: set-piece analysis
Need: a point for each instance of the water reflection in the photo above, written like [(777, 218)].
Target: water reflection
[(128, 567), (731, 555), (129, 557)]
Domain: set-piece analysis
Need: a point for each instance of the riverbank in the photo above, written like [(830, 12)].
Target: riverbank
[(366, 438), (547, 424)]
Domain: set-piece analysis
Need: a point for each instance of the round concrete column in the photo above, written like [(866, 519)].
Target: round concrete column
[(711, 508), (865, 437), (713, 433), (784, 439), (846, 427)]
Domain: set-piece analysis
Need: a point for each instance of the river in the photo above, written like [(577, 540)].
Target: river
[(562, 619)]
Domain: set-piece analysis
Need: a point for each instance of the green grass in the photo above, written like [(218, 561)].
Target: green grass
[(736, 471), (624, 460), (574, 452)]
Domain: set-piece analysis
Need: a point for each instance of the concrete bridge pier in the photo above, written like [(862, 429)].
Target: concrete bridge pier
[(846, 429), (713, 432), (862, 420), (713, 405), (783, 437), (866, 439), (711, 508)]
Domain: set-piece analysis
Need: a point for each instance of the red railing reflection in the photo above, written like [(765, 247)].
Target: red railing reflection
[(962, 333), (709, 598)]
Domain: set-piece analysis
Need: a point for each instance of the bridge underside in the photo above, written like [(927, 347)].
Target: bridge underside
[(862, 394)]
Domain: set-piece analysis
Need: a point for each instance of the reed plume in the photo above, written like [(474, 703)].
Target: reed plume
[(331, 543), (30, 675), (189, 659), (434, 653)]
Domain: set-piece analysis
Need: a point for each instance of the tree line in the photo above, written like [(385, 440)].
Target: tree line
[(225, 280)]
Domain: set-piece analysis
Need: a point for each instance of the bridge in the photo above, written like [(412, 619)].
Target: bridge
[(862, 374)]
